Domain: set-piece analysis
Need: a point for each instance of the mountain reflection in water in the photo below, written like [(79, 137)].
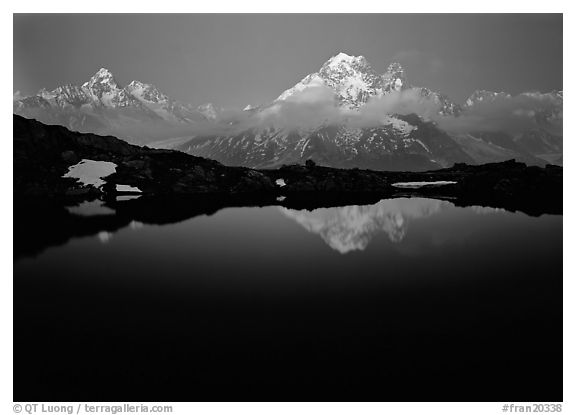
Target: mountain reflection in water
[(351, 228), (344, 228), (195, 300)]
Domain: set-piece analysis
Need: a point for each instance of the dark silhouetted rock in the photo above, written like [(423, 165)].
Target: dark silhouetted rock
[(43, 154)]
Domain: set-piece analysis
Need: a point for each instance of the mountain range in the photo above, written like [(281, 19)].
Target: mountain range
[(102, 105), (344, 115)]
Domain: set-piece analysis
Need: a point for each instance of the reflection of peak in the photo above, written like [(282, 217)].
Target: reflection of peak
[(351, 228)]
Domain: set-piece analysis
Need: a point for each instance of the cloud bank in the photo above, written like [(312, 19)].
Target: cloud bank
[(514, 115)]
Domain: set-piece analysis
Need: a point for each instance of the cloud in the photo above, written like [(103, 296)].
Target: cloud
[(318, 105), (308, 108), (514, 115), (398, 102)]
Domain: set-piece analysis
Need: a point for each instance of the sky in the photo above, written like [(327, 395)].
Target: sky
[(236, 60)]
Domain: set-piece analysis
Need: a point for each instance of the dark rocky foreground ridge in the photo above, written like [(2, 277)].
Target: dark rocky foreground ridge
[(43, 154)]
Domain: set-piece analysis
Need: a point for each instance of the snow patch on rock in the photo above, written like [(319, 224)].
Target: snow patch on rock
[(91, 172), (414, 185), (127, 188)]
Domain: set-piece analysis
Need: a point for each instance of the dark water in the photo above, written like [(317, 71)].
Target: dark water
[(404, 300)]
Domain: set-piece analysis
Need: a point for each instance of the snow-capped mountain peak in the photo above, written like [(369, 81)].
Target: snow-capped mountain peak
[(352, 79), (104, 78), (342, 59), (137, 84), (394, 78), (68, 95), (102, 88), (395, 67), (482, 95), (83, 105), (146, 92), (354, 82)]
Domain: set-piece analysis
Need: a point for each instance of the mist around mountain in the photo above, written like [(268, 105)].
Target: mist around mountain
[(346, 114)]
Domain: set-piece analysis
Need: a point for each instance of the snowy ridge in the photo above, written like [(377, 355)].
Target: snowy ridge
[(346, 114), (352, 78), (354, 81), (485, 96), (102, 91)]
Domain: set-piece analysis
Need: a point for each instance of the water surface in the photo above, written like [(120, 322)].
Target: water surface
[(404, 300)]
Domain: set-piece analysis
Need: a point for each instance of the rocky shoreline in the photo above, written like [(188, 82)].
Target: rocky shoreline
[(44, 153)]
